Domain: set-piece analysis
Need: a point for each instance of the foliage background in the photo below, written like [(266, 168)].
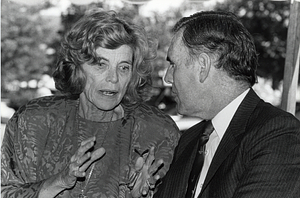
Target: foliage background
[(30, 41), (267, 21)]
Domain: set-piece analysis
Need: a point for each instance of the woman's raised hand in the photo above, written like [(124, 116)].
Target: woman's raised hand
[(80, 162), (146, 176), (77, 167)]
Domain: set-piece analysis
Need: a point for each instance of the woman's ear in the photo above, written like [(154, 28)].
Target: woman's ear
[(204, 66)]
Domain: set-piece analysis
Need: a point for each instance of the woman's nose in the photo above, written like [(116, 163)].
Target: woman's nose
[(112, 76)]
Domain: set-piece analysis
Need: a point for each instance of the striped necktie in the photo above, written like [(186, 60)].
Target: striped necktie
[(198, 163)]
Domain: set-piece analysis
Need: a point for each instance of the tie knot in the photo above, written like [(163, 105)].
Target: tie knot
[(208, 128)]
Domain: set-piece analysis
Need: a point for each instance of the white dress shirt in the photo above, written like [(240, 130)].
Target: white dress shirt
[(220, 123)]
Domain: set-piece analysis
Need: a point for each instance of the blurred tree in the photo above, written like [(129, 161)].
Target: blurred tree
[(160, 25), (267, 21), (25, 36)]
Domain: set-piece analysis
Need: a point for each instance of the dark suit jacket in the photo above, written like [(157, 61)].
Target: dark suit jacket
[(258, 156)]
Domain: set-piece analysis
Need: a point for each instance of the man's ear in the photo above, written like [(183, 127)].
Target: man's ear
[(205, 63)]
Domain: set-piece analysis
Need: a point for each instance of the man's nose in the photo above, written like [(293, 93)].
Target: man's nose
[(168, 77)]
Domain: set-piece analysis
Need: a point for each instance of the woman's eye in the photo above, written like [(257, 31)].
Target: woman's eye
[(125, 68), (101, 65)]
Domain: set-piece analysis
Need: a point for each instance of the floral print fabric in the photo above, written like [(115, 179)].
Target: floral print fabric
[(42, 136)]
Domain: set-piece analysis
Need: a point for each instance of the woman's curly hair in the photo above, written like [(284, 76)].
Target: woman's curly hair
[(98, 28)]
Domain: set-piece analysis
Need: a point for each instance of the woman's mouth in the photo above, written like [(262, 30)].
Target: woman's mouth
[(109, 93)]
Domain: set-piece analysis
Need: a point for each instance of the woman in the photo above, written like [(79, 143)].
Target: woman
[(99, 138)]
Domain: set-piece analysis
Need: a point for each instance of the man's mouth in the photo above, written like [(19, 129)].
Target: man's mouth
[(173, 93)]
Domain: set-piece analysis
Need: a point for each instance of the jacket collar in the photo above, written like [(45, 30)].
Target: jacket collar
[(234, 133)]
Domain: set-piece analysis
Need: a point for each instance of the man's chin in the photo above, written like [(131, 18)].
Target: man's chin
[(182, 111), (179, 110)]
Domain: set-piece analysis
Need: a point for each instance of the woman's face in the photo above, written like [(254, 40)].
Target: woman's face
[(107, 81)]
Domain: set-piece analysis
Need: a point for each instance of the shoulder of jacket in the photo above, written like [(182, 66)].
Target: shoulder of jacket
[(48, 102), (152, 114)]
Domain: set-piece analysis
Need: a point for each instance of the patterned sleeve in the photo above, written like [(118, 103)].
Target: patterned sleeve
[(166, 145), (155, 128), (14, 181)]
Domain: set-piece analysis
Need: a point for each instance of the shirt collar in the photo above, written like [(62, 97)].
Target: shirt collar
[(223, 118)]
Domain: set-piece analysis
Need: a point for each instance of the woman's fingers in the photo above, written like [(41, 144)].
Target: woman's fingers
[(91, 139), (155, 166), (147, 168), (82, 150), (81, 156), (80, 162), (85, 146), (145, 190), (82, 159), (153, 176), (139, 163), (95, 155), (150, 157)]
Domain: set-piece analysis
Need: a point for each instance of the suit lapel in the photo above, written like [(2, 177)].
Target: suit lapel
[(186, 153), (233, 134)]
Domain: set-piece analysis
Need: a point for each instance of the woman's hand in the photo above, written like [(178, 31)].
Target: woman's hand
[(79, 163), (145, 177)]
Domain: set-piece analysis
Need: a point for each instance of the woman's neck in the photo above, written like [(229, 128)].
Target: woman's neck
[(91, 112)]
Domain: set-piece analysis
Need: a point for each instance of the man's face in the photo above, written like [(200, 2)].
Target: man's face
[(181, 74), (107, 81)]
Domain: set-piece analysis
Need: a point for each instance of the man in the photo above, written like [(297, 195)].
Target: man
[(254, 148)]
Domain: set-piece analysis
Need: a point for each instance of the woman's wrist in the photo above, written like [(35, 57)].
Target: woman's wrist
[(51, 187)]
